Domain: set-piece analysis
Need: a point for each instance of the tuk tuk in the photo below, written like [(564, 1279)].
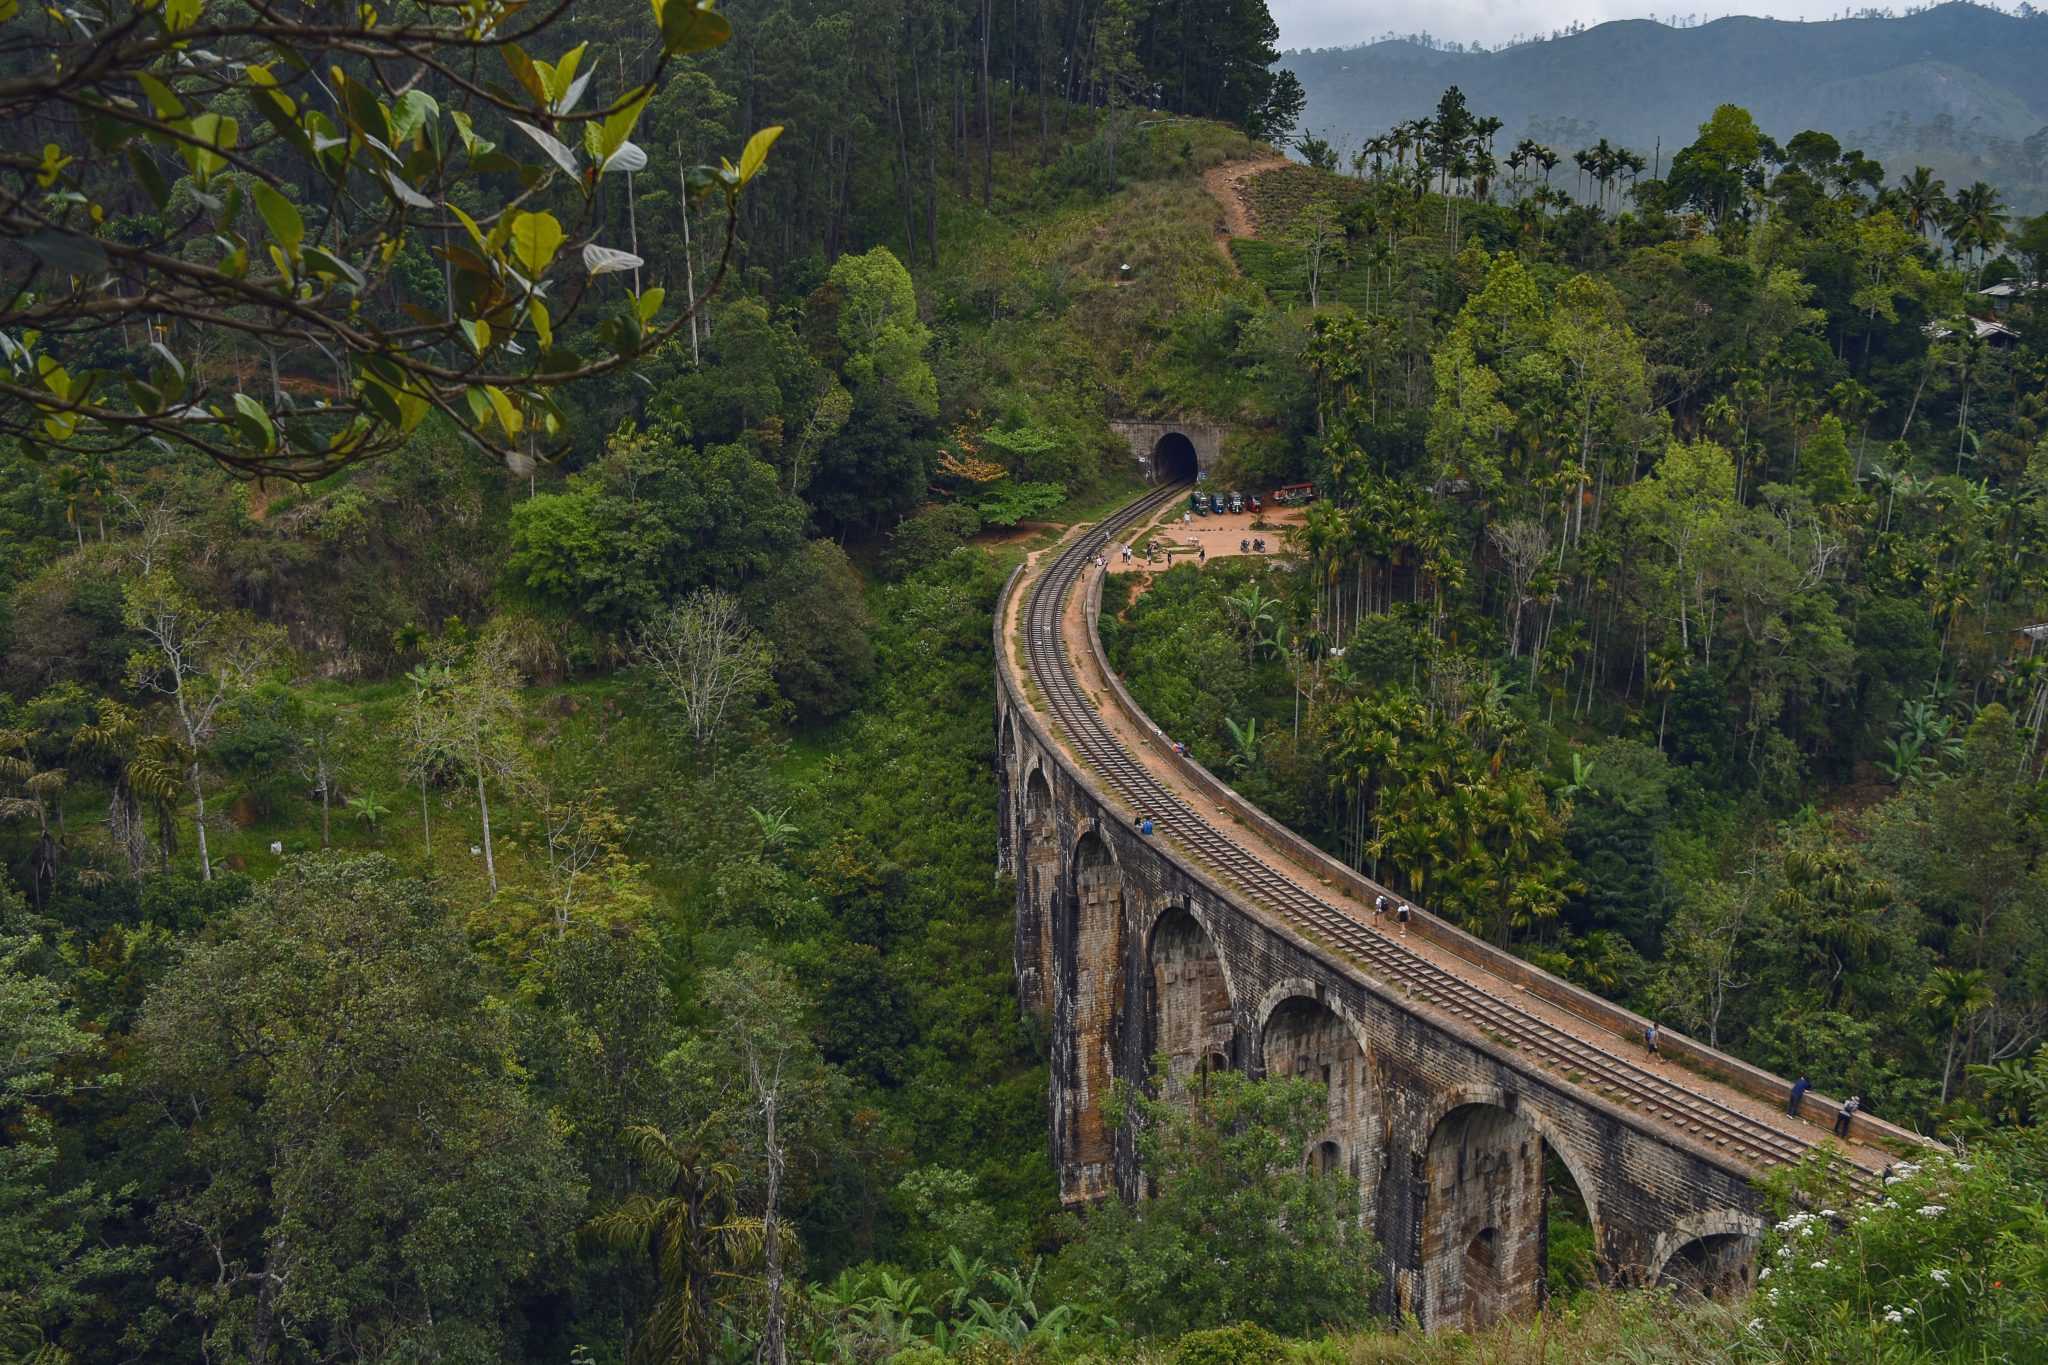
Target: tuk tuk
[(1216, 503), (1236, 503), (1252, 500)]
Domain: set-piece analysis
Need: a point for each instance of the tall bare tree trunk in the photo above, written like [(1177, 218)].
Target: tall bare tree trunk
[(689, 283), (199, 820), (483, 804)]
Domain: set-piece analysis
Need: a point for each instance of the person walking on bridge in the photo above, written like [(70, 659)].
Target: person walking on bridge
[(1849, 1108), (1650, 1040), (1379, 914), (1401, 917), (1799, 1089)]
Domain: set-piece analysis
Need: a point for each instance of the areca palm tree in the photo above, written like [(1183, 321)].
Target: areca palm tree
[(1956, 996), (703, 1249)]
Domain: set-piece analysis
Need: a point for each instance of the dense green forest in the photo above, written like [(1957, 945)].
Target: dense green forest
[(499, 831)]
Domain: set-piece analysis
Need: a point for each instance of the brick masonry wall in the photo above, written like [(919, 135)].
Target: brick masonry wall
[(1432, 1092)]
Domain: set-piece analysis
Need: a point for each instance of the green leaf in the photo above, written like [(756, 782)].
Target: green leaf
[(325, 262), (476, 233), (547, 142), (649, 303), (281, 216), (214, 131), (756, 154), (150, 177), (161, 99), (479, 334), (691, 26), (67, 251), (414, 110), (617, 127), (536, 237), (254, 421), (525, 72), (502, 408)]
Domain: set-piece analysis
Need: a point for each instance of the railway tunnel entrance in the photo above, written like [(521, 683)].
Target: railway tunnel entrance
[(1174, 459), (1504, 1221)]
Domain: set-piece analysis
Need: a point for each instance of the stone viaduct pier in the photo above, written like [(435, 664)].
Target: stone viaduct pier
[(1454, 1071)]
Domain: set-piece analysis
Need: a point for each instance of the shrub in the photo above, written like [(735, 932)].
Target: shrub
[(1241, 1343)]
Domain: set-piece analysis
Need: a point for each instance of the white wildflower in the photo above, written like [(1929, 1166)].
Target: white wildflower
[(1756, 1324), (1894, 1316), (1818, 1265), (1940, 1276), (1809, 1231), (1933, 1210), (1763, 1274)]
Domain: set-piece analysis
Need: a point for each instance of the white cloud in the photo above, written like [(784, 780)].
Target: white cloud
[(1341, 23)]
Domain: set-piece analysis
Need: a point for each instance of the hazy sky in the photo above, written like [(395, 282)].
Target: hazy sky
[(1340, 23)]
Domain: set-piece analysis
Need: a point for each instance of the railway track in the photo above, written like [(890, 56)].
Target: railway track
[(1572, 1058)]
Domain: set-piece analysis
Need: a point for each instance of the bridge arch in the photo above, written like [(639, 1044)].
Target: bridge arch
[(1485, 1209), (1038, 858), (1089, 990), (1712, 1255), (1192, 1022), (1305, 1031), (1006, 767)]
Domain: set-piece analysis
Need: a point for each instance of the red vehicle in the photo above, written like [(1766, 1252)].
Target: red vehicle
[(1253, 501), (1294, 493)]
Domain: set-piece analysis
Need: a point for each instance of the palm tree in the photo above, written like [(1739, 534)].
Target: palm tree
[(1257, 611), (1956, 995), (1922, 199), (1974, 221), (691, 1227), (1244, 745), (1583, 159)]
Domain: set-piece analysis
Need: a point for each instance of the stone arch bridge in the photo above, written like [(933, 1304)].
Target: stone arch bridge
[(1453, 1070)]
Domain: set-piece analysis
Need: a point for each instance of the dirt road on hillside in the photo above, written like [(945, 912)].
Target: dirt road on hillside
[(1225, 184)]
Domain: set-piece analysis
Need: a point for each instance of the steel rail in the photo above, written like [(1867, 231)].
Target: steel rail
[(1577, 1061)]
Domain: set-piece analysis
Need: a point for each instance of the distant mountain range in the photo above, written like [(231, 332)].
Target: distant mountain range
[(1961, 88)]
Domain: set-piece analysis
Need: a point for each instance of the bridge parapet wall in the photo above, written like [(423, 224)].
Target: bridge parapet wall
[(1447, 1130), (1341, 881)]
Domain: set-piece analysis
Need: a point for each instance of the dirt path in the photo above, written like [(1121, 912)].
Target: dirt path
[(1225, 184)]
